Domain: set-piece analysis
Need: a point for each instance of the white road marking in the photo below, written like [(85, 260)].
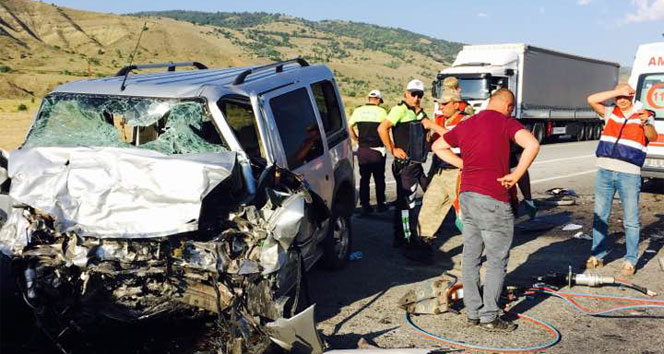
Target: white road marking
[(563, 159), (563, 176)]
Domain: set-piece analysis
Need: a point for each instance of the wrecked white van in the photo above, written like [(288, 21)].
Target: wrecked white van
[(206, 190)]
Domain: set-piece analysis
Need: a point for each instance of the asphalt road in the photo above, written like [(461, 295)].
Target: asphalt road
[(360, 301), (566, 164)]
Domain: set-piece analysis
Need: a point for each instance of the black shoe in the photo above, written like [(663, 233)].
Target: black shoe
[(381, 208), (472, 322), (498, 325)]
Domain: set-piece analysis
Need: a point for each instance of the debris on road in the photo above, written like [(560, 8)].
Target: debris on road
[(558, 197), (433, 296), (559, 192), (297, 334), (357, 255), (582, 236), (572, 227)]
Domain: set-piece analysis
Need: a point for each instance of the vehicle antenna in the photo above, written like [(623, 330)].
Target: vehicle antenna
[(131, 57)]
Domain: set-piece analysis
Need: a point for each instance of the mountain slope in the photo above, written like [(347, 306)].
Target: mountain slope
[(44, 45)]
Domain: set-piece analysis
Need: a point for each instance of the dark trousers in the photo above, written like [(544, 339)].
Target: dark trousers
[(408, 176), (372, 163)]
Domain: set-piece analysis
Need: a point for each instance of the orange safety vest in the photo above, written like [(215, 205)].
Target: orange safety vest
[(440, 120), (623, 138)]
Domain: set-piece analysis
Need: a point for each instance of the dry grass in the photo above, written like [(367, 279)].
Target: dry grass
[(71, 45)]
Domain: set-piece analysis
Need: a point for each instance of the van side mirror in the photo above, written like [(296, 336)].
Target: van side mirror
[(434, 89)]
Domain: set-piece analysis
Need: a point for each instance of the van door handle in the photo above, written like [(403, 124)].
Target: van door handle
[(327, 178)]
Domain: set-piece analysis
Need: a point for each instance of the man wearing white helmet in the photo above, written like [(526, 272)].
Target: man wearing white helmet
[(371, 152), (408, 124)]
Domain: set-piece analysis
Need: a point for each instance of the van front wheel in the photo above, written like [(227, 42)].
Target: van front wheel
[(337, 245)]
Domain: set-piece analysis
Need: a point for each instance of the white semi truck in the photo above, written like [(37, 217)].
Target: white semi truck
[(550, 87), (647, 79)]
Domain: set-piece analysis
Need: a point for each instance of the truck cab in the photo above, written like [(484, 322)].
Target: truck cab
[(550, 87), (647, 78), (479, 74)]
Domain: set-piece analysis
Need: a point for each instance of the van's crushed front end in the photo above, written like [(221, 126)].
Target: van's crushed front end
[(128, 233)]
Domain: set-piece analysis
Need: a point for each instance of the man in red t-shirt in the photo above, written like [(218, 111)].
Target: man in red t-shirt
[(488, 222)]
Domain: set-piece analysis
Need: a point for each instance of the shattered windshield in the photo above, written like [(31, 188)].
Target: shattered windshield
[(169, 126)]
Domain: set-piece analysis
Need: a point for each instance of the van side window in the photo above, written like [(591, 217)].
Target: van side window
[(240, 117), (298, 129), (328, 106)]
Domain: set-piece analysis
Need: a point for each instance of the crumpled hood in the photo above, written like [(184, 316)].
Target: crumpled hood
[(117, 192)]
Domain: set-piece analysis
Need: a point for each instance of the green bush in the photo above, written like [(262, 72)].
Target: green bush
[(22, 107), (5, 69)]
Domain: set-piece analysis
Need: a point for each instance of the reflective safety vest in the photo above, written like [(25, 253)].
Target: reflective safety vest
[(408, 132), (623, 138), (367, 118), (449, 125)]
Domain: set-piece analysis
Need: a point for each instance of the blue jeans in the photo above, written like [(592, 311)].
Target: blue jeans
[(628, 187)]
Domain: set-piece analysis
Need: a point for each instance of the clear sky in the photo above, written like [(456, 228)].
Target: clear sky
[(604, 29)]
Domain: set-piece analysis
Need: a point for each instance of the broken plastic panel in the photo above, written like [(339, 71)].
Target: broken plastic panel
[(169, 126)]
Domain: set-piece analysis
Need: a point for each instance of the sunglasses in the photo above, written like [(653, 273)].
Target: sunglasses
[(418, 94)]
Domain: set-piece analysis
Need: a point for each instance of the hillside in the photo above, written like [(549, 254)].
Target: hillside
[(44, 45)]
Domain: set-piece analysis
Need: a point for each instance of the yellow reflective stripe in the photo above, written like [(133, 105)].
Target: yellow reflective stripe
[(369, 113)]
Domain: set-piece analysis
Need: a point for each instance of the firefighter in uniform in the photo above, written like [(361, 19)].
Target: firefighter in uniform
[(443, 180), (371, 152), (408, 124)]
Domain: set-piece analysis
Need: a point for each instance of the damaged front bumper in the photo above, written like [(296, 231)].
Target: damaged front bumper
[(239, 262)]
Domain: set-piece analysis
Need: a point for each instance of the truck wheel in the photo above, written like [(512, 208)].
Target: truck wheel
[(588, 131), (538, 132), (337, 244), (597, 131), (581, 133)]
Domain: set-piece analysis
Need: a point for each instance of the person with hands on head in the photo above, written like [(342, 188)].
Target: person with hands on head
[(620, 153), (407, 122), (488, 222)]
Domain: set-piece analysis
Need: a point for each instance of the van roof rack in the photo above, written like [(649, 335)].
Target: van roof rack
[(279, 67), (171, 67)]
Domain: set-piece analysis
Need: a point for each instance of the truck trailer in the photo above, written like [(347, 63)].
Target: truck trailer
[(550, 87)]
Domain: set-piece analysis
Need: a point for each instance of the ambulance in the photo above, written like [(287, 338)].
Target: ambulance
[(647, 79)]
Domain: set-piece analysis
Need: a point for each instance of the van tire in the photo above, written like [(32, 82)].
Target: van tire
[(338, 243)]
